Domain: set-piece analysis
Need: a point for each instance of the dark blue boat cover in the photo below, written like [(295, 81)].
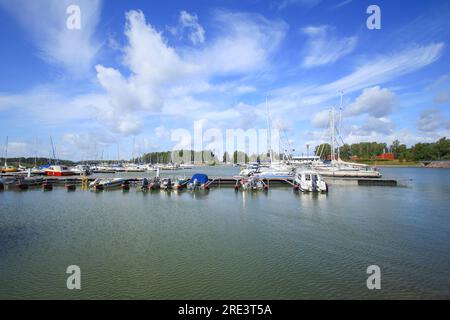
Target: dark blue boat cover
[(200, 177)]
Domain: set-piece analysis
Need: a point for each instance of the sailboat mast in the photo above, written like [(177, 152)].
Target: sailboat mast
[(6, 151), (269, 134), (332, 133), (340, 122), (53, 150), (35, 153), (132, 149)]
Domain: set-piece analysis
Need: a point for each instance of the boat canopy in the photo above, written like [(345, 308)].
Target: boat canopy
[(200, 178)]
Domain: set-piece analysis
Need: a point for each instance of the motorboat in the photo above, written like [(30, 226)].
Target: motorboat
[(155, 183), (166, 184), (58, 170), (102, 184), (144, 186), (249, 170), (308, 180), (180, 183), (169, 166), (252, 183), (198, 181), (82, 169), (134, 168)]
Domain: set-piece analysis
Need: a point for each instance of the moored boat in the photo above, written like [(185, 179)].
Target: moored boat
[(308, 180), (103, 184), (8, 169), (198, 181), (166, 184), (180, 183), (59, 171)]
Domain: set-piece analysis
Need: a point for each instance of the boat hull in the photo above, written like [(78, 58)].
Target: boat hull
[(58, 173)]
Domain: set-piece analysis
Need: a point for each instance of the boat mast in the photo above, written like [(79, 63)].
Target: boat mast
[(35, 153), (332, 133), (53, 150), (269, 134), (6, 151), (340, 122), (132, 150)]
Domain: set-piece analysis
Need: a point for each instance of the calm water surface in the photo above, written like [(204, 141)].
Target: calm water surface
[(222, 244)]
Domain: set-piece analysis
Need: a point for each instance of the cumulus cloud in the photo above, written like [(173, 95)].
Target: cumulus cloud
[(432, 119), (375, 101), (152, 63), (375, 125), (45, 20), (161, 80), (324, 48)]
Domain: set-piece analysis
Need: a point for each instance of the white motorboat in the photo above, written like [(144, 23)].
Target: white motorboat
[(101, 184), (308, 180)]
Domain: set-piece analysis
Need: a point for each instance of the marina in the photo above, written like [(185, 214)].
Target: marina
[(229, 156), (13, 182), (202, 244)]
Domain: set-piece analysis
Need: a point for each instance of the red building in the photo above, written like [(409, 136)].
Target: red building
[(386, 156)]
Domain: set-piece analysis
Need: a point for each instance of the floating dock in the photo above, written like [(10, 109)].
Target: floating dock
[(221, 181)]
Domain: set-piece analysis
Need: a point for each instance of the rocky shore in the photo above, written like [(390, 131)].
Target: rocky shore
[(437, 164)]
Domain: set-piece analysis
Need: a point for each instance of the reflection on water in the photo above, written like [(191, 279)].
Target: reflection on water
[(226, 244)]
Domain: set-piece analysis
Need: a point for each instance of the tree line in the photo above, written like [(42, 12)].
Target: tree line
[(439, 150)]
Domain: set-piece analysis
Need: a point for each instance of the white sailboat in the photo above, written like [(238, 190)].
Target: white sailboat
[(277, 169), (337, 167), (7, 168)]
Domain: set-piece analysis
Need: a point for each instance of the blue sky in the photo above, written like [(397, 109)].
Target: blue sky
[(137, 70)]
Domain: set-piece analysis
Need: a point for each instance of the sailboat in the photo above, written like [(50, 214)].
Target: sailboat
[(7, 168), (337, 167), (56, 169), (277, 169)]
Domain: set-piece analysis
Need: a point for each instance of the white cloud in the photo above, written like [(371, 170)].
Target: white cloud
[(164, 81), (162, 132), (245, 43), (45, 20), (375, 101), (16, 149), (190, 22), (324, 48), (321, 119), (375, 125), (153, 64), (376, 72), (432, 119), (286, 3), (341, 4), (439, 82), (387, 68)]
